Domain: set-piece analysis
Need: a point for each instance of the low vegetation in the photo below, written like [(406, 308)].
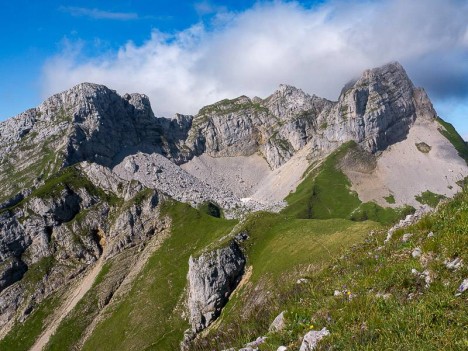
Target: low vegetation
[(423, 147), (73, 327), (390, 199), (211, 209), (297, 259), (379, 302), (23, 335), (429, 198), (150, 317)]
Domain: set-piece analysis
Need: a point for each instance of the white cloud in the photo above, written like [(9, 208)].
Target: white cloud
[(98, 14), (206, 7), (317, 49)]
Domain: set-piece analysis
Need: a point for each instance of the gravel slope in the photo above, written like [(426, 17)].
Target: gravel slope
[(404, 171)]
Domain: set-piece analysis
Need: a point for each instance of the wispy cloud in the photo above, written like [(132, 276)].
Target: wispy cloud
[(99, 14), (317, 49), (206, 7)]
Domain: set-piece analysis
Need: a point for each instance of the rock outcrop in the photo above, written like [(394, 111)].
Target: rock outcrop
[(86, 123), (212, 277)]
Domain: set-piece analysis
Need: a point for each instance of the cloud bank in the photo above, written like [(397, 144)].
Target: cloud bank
[(317, 49)]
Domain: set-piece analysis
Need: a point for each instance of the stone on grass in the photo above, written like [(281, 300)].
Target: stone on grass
[(260, 340), (312, 338), (454, 264), (416, 252), (406, 237), (278, 323), (462, 288)]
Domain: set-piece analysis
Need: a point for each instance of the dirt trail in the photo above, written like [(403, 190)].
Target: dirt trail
[(71, 301)]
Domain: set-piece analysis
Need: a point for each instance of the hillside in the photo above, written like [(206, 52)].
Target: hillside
[(403, 290), (120, 230)]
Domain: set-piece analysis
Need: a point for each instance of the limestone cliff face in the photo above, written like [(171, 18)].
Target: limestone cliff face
[(212, 277), (277, 126), (376, 111), (86, 123)]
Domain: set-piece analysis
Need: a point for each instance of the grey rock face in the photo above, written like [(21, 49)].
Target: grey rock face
[(463, 287), (86, 123), (277, 126), (67, 228), (212, 277), (376, 111)]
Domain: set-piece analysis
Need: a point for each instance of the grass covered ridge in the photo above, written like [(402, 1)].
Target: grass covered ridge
[(326, 193), (452, 135), (280, 250)]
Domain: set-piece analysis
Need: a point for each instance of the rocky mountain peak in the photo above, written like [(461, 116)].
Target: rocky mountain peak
[(288, 101)]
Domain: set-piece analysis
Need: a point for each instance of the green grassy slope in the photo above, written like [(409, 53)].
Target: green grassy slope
[(23, 336), (323, 221), (280, 250), (74, 325), (284, 247), (149, 318), (452, 135), (411, 316)]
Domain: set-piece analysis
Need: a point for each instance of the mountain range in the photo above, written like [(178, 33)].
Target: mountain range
[(121, 230)]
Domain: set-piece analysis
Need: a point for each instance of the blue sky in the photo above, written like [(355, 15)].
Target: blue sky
[(185, 54)]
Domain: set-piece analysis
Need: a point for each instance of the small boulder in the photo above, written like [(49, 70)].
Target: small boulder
[(384, 296), (254, 344), (426, 275), (312, 338), (416, 252), (278, 323), (462, 288), (454, 264), (406, 237), (282, 348)]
